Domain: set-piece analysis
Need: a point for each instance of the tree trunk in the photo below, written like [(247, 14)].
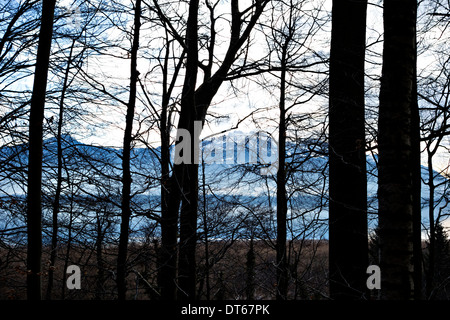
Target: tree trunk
[(206, 231), (34, 209), (167, 255), (188, 235), (183, 184), (169, 238), (347, 162), (282, 271), (189, 171), (417, 181), (126, 180), (68, 246), (395, 138), (431, 244), (165, 280), (99, 282), (59, 157)]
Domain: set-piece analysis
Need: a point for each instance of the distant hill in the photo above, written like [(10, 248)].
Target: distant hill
[(231, 172)]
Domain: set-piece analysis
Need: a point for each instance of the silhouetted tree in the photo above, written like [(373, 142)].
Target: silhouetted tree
[(34, 213), (347, 160), (126, 153), (396, 140)]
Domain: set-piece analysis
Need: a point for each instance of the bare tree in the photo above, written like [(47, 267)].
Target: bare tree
[(195, 101), (127, 141), (34, 214), (347, 160)]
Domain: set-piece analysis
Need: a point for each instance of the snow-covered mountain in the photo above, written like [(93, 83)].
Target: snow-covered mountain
[(230, 174)]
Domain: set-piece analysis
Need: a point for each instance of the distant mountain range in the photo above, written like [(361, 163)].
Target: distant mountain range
[(231, 172)]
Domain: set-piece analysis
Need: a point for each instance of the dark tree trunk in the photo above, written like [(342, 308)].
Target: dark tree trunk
[(34, 211), (189, 171), (183, 184), (395, 143), (169, 238), (206, 233), (126, 179), (282, 271), (432, 240), (99, 282), (347, 161), (416, 184), (169, 194), (188, 235), (165, 169)]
